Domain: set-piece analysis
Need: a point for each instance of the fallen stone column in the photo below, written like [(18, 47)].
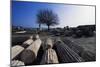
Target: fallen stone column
[(78, 49), (28, 42), (47, 44), (49, 57), (16, 50), (30, 53), (17, 63), (88, 56), (65, 54)]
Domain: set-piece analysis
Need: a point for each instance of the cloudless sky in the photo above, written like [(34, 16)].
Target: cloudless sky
[(24, 14)]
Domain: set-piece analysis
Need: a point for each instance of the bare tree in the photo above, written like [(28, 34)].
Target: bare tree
[(47, 17)]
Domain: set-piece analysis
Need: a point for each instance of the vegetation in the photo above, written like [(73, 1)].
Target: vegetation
[(47, 17)]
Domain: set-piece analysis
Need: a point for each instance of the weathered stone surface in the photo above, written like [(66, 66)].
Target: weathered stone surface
[(17, 63), (66, 54), (30, 53), (49, 57), (16, 50), (71, 44), (88, 56), (48, 43)]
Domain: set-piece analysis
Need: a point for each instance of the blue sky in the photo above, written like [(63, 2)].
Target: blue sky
[(24, 14)]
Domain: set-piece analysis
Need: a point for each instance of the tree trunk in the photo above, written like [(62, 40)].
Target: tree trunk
[(39, 26), (48, 27)]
